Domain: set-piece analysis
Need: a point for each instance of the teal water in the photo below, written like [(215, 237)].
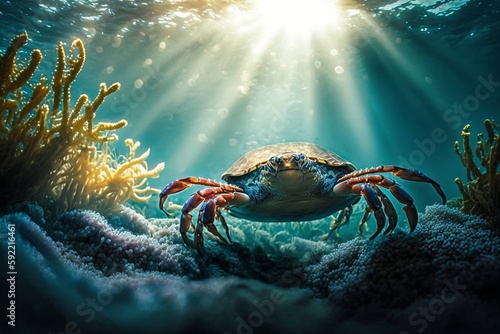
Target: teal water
[(202, 83)]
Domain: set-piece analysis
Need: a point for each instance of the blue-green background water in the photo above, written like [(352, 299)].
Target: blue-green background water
[(217, 83), (203, 82)]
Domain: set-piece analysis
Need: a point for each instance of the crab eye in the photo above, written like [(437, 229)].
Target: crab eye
[(300, 157), (275, 160), (272, 164)]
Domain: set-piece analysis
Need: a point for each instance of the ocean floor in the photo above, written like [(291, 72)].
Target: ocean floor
[(85, 273)]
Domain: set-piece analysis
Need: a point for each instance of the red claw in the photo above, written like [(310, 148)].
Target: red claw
[(171, 188), (181, 184), (364, 182), (216, 196)]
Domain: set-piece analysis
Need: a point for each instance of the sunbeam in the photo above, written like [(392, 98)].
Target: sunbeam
[(260, 68), (296, 18), (269, 71)]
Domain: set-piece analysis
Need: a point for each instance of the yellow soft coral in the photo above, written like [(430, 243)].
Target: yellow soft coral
[(50, 151), (481, 193), (106, 181)]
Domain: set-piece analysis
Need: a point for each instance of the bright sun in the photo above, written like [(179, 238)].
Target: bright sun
[(277, 58), (298, 17)]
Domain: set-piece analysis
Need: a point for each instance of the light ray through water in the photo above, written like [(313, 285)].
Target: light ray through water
[(260, 70)]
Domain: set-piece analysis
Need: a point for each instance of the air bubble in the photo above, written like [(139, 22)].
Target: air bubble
[(138, 83), (202, 138)]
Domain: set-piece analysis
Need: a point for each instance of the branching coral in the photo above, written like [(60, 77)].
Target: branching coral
[(481, 193), (49, 150), (104, 180)]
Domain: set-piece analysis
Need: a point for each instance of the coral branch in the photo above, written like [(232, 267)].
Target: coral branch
[(7, 63), (53, 152), (26, 73), (481, 193)]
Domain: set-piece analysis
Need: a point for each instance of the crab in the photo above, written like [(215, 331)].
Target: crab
[(294, 181)]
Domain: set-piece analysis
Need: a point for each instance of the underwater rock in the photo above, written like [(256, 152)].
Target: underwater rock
[(104, 275)]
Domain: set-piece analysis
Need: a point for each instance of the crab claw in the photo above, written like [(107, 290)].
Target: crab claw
[(163, 198), (182, 184), (415, 175), (401, 172), (171, 188)]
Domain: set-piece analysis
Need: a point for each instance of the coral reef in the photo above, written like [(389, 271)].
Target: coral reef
[(481, 193), (51, 151), (399, 269), (441, 278)]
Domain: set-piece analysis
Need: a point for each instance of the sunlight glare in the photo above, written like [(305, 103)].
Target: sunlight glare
[(298, 17)]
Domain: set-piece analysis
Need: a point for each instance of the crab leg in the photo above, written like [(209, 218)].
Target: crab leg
[(209, 211), (355, 186), (341, 220), (222, 220), (389, 210), (186, 218), (401, 195), (404, 173), (194, 200), (348, 186), (365, 218), (211, 199), (198, 239), (206, 218), (181, 184), (374, 203)]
